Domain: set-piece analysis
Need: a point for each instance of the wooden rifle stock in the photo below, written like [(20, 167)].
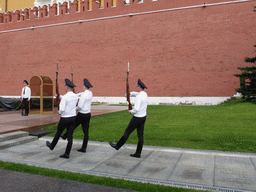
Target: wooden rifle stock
[(128, 93)]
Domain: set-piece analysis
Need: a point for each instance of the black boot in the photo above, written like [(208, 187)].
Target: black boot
[(48, 144), (138, 150), (64, 156), (135, 155), (82, 150), (114, 145), (63, 136)]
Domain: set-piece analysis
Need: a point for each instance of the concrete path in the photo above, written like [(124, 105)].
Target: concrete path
[(195, 169)]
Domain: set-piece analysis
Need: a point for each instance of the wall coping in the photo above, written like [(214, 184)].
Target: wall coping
[(24, 16)]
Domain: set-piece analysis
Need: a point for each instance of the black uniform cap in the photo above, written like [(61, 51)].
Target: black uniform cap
[(87, 83), (69, 83), (25, 81), (141, 84)]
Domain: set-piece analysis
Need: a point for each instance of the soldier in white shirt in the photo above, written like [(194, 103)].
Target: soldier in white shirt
[(138, 121), (25, 97), (67, 109), (84, 115)]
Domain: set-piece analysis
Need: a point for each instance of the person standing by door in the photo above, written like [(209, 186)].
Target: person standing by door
[(25, 97)]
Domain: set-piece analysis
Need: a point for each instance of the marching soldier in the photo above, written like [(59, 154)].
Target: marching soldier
[(138, 121), (25, 97), (84, 115), (67, 109)]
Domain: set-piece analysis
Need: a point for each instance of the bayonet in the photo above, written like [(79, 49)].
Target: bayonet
[(127, 90), (72, 73), (57, 88)]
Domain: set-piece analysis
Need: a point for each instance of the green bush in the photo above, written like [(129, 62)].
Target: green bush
[(248, 80)]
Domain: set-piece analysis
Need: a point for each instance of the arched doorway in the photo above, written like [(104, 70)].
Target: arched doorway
[(42, 98)]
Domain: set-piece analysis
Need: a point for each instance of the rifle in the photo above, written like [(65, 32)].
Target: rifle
[(127, 90), (72, 78), (57, 88), (72, 73)]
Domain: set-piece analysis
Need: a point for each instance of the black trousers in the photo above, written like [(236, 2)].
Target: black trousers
[(26, 105), (83, 119), (64, 123), (136, 122)]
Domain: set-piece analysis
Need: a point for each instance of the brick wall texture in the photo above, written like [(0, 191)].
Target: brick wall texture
[(180, 52)]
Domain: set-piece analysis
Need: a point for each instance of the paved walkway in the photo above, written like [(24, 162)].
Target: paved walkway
[(196, 169), (175, 167), (11, 121)]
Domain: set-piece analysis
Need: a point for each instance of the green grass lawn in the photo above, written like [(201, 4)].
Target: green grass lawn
[(226, 127)]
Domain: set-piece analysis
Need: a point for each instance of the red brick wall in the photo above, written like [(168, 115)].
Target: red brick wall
[(187, 52)]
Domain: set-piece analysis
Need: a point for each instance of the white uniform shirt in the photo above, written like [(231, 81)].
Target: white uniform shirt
[(67, 107), (141, 103), (85, 101), (27, 93)]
